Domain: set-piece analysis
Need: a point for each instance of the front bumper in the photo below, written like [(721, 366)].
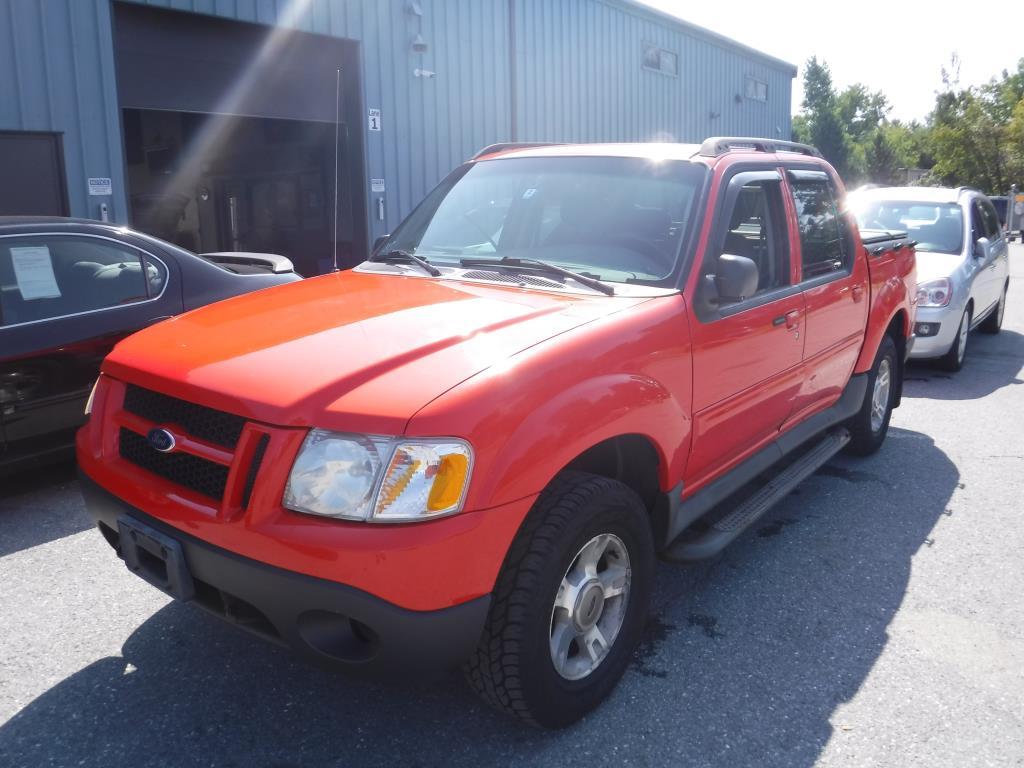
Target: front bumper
[(948, 319), (323, 621)]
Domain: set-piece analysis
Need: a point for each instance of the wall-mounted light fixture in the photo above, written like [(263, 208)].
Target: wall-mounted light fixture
[(414, 8), (419, 45)]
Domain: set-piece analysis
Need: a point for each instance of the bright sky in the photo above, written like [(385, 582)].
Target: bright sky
[(895, 46)]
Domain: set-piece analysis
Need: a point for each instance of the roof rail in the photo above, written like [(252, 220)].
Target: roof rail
[(720, 145), (490, 149)]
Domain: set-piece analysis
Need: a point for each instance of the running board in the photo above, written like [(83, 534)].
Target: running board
[(732, 523)]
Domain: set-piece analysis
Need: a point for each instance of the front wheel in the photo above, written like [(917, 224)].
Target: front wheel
[(953, 360), (570, 603), (869, 427)]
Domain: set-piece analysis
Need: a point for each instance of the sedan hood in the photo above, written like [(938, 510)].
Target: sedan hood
[(347, 351), (932, 265)]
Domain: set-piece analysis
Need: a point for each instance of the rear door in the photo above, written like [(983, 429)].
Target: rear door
[(834, 281), (746, 354), (65, 300)]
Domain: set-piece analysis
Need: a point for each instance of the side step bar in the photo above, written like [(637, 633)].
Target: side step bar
[(733, 522)]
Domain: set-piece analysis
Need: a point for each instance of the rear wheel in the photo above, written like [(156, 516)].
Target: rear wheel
[(869, 427), (994, 322), (953, 360), (570, 603)]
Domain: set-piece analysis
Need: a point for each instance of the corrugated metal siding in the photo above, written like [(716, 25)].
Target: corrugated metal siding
[(579, 78), (57, 62), (430, 125)]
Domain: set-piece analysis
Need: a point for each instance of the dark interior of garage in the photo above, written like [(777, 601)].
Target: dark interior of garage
[(229, 136)]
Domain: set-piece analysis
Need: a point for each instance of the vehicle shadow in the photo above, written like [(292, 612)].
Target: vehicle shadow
[(745, 662), (992, 362), (39, 506)]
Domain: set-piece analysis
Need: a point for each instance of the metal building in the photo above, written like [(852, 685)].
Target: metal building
[(212, 123)]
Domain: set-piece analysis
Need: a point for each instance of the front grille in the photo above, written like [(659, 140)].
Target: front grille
[(207, 424), (190, 471)]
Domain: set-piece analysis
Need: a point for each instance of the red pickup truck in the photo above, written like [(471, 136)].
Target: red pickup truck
[(472, 449)]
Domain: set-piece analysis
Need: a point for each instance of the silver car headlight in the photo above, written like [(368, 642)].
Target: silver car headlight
[(378, 479), (934, 293)]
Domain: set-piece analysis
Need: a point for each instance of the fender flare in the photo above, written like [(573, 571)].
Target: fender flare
[(537, 450)]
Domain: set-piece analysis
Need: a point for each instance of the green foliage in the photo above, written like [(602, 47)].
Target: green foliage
[(974, 136)]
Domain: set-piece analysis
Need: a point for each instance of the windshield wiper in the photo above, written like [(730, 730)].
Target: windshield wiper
[(515, 261), (412, 258)]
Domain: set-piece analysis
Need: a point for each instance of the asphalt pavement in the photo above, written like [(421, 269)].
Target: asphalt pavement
[(876, 617)]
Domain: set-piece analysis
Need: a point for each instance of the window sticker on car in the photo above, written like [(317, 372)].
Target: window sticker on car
[(33, 269)]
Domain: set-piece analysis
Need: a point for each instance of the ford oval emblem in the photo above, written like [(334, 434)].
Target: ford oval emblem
[(160, 440)]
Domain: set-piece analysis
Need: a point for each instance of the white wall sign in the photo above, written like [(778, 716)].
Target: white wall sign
[(376, 185), (33, 270), (100, 187), (373, 117)]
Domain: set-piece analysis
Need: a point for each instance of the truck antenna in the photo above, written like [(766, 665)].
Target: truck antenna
[(337, 123)]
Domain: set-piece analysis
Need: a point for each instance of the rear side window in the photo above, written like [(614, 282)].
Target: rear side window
[(821, 229), (48, 276)]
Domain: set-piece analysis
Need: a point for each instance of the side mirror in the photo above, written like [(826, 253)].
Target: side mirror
[(379, 242), (981, 246), (736, 277)]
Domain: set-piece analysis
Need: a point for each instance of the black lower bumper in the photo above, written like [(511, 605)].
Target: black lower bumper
[(325, 622)]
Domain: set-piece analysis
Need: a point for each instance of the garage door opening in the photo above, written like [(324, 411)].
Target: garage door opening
[(229, 136), (263, 185)]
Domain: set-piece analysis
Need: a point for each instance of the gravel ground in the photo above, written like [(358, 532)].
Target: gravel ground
[(873, 618)]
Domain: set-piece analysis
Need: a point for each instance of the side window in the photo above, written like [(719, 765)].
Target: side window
[(977, 223), (821, 229), (756, 229), (990, 220), (48, 276)]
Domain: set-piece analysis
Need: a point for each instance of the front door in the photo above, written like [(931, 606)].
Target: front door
[(747, 351), (835, 286), (65, 300), (993, 265)]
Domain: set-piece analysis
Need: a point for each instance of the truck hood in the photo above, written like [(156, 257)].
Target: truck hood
[(347, 351)]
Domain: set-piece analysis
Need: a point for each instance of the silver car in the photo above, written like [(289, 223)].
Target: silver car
[(962, 262)]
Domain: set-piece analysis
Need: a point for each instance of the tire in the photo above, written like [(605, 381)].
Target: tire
[(513, 668), (869, 427), (994, 322), (953, 360)]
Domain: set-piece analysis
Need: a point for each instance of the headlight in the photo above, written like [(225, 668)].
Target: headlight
[(92, 397), (934, 293), (359, 477)]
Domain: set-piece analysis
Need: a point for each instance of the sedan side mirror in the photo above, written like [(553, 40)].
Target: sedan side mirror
[(981, 247), (736, 277)]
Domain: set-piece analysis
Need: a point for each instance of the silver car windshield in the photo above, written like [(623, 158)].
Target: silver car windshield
[(936, 227), (614, 218)]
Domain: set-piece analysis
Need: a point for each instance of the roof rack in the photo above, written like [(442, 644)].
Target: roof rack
[(490, 149), (720, 145)]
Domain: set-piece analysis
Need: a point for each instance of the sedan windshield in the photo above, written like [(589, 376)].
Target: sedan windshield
[(614, 218), (935, 226)]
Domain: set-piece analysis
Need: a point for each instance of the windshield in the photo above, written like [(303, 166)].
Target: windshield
[(614, 218), (935, 226)]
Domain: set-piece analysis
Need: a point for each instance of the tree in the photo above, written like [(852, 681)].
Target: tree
[(881, 160), (823, 127)]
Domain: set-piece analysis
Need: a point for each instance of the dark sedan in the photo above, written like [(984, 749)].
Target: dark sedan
[(69, 290)]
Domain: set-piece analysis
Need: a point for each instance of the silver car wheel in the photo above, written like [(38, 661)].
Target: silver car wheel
[(961, 342), (590, 607), (880, 395)]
